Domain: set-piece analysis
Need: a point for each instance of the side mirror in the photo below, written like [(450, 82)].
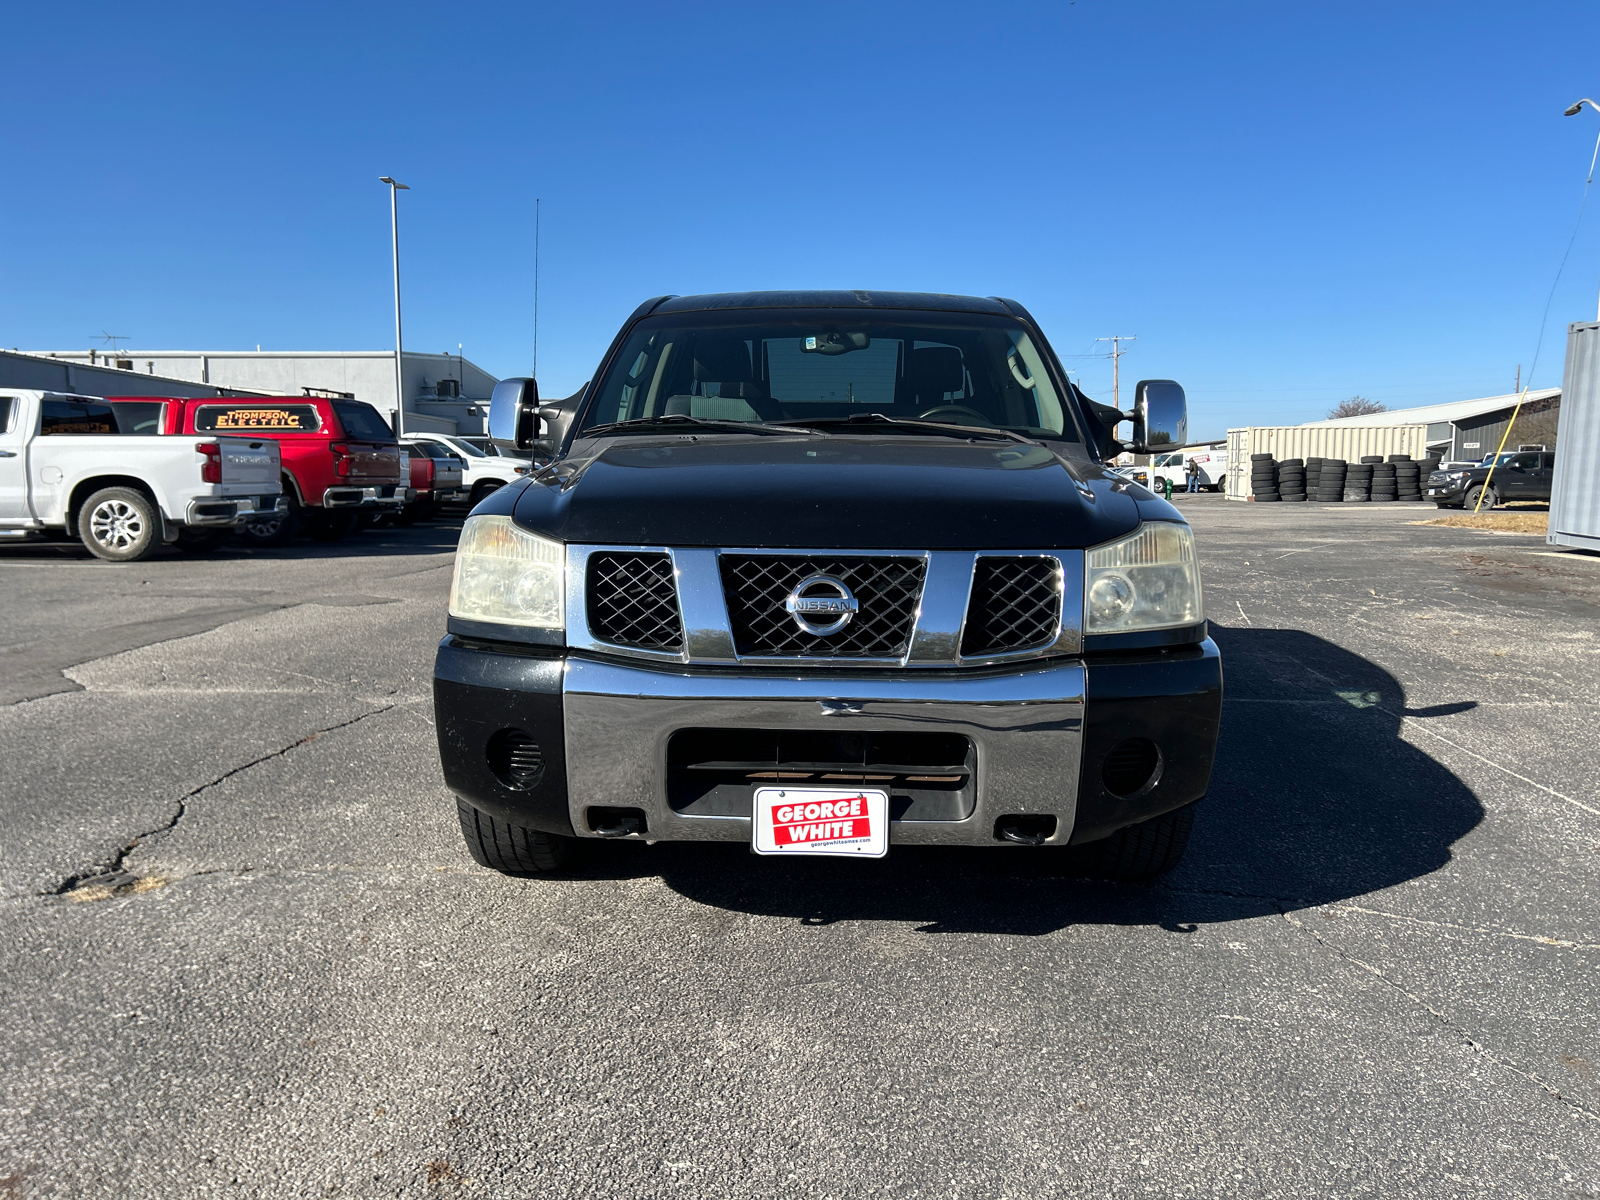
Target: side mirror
[(1160, 415), (514, 414)]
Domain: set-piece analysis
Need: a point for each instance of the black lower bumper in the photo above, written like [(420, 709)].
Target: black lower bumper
[(1148, 736)]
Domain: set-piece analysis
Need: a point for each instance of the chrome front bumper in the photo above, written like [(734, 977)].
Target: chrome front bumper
[(234, 510), (1025, 723)]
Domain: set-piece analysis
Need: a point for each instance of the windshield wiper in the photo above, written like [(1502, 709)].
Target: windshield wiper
[(937, 428), (670, 421)]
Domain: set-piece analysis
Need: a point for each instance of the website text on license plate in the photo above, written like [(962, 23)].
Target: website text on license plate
[(821, 821)]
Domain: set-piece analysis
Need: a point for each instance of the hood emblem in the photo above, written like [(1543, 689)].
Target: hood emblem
[(821, 605)]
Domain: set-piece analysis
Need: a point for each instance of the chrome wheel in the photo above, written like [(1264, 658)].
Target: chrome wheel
[(116, 525)]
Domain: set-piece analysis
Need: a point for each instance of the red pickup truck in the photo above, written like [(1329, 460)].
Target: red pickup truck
[(340, 458)]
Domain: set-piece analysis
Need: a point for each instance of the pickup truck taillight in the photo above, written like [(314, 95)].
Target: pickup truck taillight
[(341, 458), (211, 469)]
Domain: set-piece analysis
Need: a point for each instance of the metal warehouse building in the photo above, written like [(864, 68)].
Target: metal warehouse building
[(1466, 430), (444, 393)]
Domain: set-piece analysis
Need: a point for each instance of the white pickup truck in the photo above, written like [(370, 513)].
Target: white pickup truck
[(74, 465)]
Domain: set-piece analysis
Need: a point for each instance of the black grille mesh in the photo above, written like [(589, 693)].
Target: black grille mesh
[(887, 590), (633, 601), (516, 758), (1016, 605)]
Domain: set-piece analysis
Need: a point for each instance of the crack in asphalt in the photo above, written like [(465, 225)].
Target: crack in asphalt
[(1483, 1051), (113, 866)]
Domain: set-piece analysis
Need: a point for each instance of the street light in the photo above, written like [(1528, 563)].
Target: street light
[(394, 229)]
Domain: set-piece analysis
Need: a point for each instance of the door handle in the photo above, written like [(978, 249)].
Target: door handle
[(8, 453)]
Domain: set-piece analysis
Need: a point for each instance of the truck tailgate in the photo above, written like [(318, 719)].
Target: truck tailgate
[(247, 461), (371, 463)]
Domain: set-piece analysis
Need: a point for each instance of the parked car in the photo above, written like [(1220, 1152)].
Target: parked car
[(1523, 475), (435, 479), (482, 471), (69, 464), (1139, 475), (340, 457), (822, 573)]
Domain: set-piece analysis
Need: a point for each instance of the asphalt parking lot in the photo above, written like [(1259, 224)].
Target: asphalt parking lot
[(245, 952)]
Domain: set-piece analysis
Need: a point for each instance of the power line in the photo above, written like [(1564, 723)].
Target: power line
[(1116, 354)]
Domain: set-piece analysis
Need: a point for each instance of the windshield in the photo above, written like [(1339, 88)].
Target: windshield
[(788, 366), (361, 420), (466, 448)]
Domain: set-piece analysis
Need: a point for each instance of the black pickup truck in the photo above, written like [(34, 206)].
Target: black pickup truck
[(825, 573), (1524, 475)]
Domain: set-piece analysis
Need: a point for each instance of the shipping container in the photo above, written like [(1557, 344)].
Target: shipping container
[(1349, 442), (1575, 491)]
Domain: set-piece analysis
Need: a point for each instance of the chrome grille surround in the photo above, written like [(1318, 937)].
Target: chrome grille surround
[(1015, 605), (937, 626), (887, 589), (633, 600)]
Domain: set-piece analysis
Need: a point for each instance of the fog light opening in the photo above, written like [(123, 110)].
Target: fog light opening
[(1132, 767), (515, 758), (616, 822), (1029, 829)]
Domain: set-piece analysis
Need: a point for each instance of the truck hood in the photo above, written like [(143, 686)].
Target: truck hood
[(858, 493)]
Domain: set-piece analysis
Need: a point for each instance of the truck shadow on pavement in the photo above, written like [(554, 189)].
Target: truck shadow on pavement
[(1315, 799)]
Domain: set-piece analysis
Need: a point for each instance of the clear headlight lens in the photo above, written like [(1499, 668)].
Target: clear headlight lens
[(508, 575), (1148, 580)]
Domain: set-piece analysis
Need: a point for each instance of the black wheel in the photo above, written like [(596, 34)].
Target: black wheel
[(511, 849), (277, 530), (1139, 852), (201, 541), (1488, 494), (120, 524), (480, 490), (331, 526)]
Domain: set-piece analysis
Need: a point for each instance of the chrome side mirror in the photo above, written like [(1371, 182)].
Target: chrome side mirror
[(514, 414), (1160, 415)]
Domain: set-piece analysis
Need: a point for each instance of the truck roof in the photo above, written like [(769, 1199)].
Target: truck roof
[(926, 301)]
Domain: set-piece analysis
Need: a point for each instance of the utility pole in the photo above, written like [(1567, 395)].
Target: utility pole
[(1116, 353), (1518, 388), (394, 231)]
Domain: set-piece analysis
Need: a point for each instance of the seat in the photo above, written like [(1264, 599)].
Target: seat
[(711, 408), (933, 371), (724, 363)]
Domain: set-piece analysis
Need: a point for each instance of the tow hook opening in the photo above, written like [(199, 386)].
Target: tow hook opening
[(1034, 829), (616, 822)]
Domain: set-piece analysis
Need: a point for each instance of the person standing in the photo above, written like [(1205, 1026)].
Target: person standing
[(1192, 469)]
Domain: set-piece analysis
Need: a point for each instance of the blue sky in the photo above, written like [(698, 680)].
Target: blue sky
[(1287, 204)]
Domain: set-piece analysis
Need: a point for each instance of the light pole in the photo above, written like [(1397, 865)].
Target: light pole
[(394, 229), (1572, 111)]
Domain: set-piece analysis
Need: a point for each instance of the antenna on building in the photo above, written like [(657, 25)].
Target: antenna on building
[(114, 338), (536, 287)]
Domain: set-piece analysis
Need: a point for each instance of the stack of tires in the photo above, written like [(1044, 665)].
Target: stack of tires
[(1358, 482), (1264, 479), (1330, 481), (1408, 478), (1385, 485), (1292, 480), (1313, 477), (1430, 464)]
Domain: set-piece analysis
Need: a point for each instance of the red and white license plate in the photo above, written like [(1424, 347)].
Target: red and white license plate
[(821, 821)]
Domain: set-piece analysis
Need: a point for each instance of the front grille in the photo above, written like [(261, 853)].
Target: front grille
[(887, 591), (1015, 605), (633, 601)]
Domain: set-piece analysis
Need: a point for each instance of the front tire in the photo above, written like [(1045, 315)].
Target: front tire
[(1490, 497), (120, 524), (1140, 852), (511, 849)]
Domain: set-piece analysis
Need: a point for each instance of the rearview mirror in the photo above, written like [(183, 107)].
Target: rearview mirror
[(1160, 415), (834, 342), (514, 414)]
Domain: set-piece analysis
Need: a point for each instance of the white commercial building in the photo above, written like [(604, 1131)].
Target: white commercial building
[(444, 393)]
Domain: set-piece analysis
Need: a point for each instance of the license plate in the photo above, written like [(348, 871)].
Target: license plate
[(821, 821)]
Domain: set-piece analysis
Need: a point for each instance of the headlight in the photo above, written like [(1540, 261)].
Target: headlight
[(1148, 580), (508, 575)]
